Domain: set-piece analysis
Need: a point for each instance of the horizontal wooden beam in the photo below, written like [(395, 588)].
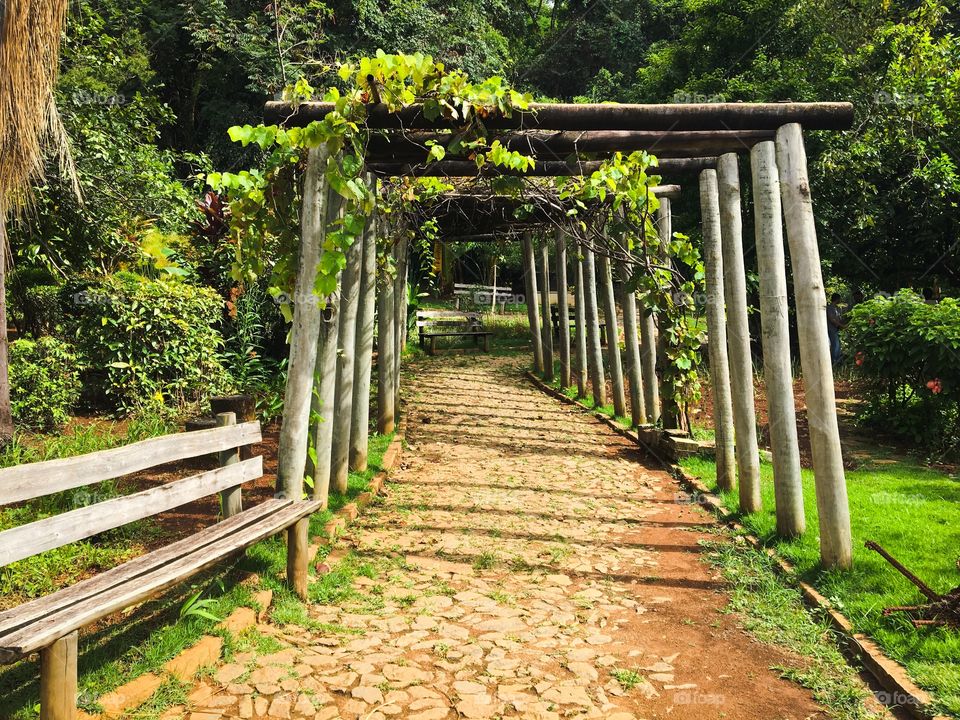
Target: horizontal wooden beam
[(597, 116), (414, 146), (466, 168)]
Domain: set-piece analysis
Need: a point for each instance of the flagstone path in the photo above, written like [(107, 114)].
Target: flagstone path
[(525, 562)]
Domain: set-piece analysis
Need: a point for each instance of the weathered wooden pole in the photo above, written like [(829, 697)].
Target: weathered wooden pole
[(323, 402), (580, 326), (294, 437), (717, 332), (346, 366), (563, 310), (400, 308), (631, 338), (363, 362), (835, 542), (669, 410), (594, 349), (648, 359), (546, 331), (738, 334), (386, 348), (613, 336), (775, 338), (533, 311)]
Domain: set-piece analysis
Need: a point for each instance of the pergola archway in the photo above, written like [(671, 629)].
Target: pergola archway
[(574, 140)]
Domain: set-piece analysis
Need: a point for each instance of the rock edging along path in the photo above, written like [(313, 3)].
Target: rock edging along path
[(523, 564)]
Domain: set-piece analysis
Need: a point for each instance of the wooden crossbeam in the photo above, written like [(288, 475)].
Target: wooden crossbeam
[(597, 116), (466, 168)]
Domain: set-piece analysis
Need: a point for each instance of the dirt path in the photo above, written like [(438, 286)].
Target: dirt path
[(523, 564)]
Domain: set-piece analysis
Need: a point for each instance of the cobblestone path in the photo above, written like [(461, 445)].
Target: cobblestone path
[(525, 562)]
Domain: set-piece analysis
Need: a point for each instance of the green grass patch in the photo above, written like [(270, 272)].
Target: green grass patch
[(774, 613), (913, 512)]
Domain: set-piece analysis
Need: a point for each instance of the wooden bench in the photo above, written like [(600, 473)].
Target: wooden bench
[(555, 322), (483, 295), (433, 324), (51, 623)]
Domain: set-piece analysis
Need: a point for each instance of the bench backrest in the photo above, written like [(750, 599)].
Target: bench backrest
[(451, 320), (26, 482)]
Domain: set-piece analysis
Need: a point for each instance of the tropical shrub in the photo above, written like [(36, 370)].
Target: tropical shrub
[(44, 382), (908, 354), (149, 342)]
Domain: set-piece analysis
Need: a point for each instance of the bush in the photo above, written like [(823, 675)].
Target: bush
[(34, 301), (44, 382), (908, 352), (147, 343)]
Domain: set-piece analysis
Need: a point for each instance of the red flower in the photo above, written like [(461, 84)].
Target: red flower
[(859, 358), (935, 386)]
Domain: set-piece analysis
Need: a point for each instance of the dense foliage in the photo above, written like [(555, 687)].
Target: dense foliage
[(148, 342), (908, 352), (45, 382)]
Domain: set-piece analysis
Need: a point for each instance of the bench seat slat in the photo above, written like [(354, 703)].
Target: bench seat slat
[(458, 334), (95, 607), (53, 532), (30, 611), (25, 482)]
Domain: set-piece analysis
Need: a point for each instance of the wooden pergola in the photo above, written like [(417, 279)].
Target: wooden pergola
[(335, 344)]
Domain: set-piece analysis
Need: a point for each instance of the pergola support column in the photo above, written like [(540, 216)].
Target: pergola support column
[(386, 359), (738, 334), (631, 338), (563, 310), (669, 411), (648, 359), (717, 331), (775, 338), (294, 437), (546, 331), (613, 337), (360, 413), (580, 326), (594, 349), (533, 311), (346, 367), (832, 505), (400, 322)]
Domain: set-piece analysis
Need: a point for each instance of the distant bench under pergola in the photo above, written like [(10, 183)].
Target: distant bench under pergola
[(706, 139)]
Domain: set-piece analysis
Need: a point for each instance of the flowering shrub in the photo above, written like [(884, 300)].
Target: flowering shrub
[(908, 354)]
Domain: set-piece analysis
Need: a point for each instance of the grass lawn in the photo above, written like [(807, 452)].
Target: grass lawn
[(914, 513)]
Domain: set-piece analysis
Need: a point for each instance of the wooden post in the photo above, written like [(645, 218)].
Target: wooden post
[(298, 549), (292, 452), (360, 411), (546, 331), (738, 335), (613, 337), (835, 542), (230, 500), (580, 326), (533, 311), (400, 324), (386, 362), (631, 338), (775, 337), (323, 404), (648, 359), (58, 679), (669, 410), (346, 367), (594, 349), (563, 310), (717, 332)]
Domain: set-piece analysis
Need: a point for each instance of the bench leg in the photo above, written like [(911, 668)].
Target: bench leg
[(58, 679), (297, 560), (486, 343), (433, 346)]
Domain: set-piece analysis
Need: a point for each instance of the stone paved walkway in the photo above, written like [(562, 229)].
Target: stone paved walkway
[(524, 563)]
